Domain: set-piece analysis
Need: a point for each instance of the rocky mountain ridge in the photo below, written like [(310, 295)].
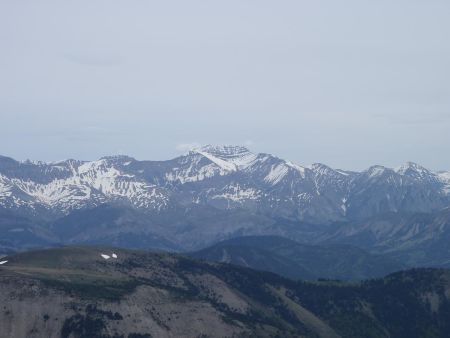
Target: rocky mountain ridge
[(226, 178)]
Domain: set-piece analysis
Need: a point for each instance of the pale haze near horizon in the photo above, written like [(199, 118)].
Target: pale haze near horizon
[(346, 83)]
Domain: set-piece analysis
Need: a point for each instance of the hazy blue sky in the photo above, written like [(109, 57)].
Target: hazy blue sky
[(347, 83)]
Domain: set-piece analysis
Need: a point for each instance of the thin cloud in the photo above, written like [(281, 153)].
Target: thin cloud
[(185, 147)]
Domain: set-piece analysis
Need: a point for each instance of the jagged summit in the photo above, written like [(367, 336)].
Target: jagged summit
[(376, 171), (230, 158), (413, 169), (224, 150), (409, 168), (117, 158), (319, 166), (34, 162)]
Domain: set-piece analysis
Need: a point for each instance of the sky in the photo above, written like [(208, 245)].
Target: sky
[(349, 83)]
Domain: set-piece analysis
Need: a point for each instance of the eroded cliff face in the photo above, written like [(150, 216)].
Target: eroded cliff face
[(31, 309), (81, 293)]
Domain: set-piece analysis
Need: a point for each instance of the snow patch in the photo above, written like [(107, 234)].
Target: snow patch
[(300, 169), (376, 171), (344, 205), (444, 177), (219, 162), (238, 194)]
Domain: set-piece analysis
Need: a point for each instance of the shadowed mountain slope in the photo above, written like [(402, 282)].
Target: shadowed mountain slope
[(299, 261)]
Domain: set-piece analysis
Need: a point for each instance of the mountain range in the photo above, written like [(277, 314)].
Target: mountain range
[(232, 244), (224, 177), (216, 193)]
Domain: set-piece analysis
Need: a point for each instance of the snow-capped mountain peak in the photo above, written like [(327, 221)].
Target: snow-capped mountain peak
[(414, 170), (229, 158), (444, 177), (118, 158), (377, 171), (224, 150)]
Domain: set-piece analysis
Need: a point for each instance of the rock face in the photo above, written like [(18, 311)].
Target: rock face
[(223, 177), (75, 292)]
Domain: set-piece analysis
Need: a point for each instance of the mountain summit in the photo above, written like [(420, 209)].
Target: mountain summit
[(229, 158)]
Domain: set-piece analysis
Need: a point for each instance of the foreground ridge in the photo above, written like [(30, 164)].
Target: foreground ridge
[(74, 292)]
